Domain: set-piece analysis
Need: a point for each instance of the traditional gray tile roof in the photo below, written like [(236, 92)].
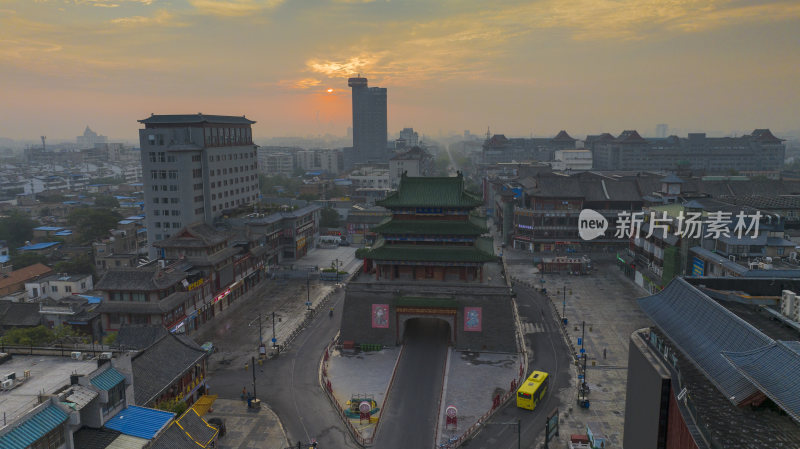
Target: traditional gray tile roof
[(19, 314), (702, 329), (197, 235), (181, 119), (139, 279), (161, 364), (173, 438), (139, 337), (774, 370)]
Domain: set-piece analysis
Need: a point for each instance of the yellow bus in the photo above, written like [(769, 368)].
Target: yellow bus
[(532, 390)]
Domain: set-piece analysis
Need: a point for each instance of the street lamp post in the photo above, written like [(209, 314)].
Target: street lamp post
[(308, 292)]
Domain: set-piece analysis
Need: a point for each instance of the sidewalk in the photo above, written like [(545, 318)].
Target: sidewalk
[(246, 428), (362, 374), (472, 381)]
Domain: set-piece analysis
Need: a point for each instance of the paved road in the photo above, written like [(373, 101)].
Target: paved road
[(410, 416), (289, 384), (550, 354)]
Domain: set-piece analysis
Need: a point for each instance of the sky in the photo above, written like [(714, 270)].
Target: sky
[(518, 68)]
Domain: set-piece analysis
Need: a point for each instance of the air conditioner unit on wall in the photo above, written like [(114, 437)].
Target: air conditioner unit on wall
[(7, 384), (106, 355), (76, 355)]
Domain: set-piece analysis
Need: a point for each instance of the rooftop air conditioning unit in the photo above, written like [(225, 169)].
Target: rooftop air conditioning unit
[(106, 355), (75, 355), (795, 316), (7, 384), (787, 303)]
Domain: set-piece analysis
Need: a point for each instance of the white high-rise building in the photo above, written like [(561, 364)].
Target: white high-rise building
[(194, 167)]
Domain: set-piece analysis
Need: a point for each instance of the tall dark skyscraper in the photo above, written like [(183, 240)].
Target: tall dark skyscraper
[(369, 122)]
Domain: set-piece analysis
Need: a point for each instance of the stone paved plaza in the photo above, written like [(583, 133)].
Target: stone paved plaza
[(606, 301)]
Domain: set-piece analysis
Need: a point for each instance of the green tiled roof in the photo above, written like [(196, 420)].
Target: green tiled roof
[(431, 192), (474, 226), (432, 253)]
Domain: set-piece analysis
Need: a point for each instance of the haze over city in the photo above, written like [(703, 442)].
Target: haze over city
[(521, 67)]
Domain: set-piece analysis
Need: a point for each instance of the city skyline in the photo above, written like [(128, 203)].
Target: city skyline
[(519, 68)]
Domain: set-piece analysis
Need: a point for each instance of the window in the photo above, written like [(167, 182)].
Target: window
[(198, 199), (155, 199), (156, 212), (173, 200), (164, 187), (171, 158), (115, 396), (153, 174), (213, 185), (158, 225), (173, 174), (172, 188), (197, 173), (162, 157), (175, 213), (198, 186), (68, 288), (155, 188), (165, 212), (151, 139), (196, 158), (152, 156), (176, 224), (54, 288)]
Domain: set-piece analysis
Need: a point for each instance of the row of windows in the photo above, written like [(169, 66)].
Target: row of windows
[(165, 200), (166, 212), (166, 224), (198, 199), (197, 173), (128, 296), (227, 193), (67, 288), (228, 136), (165, 187), (198, 186), (160, 156), (234, 181), (232, 157), (224, 171), (164, 174), (199, 211)]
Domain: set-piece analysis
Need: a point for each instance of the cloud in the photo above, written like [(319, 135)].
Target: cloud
[(161, 17), (300, 84), (233, 8)]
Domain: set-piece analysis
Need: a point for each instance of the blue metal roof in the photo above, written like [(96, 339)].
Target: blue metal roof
[(92, 299), (140, 422), (773, 369), (124, 222), (37, 246), (703, 329), (4, 259), (108, 379), (33, 428), (63, 233), (48, 228)]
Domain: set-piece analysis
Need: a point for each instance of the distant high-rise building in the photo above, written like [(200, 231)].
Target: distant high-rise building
[(661, 130), (90, 138), (369, 122), (194, 168), (410, 137)]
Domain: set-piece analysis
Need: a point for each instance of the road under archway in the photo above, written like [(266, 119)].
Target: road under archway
[(412, 407)]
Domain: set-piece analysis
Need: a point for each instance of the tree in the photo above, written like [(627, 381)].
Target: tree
[(26, 259), (329, 218), (29, 336), (93, 224), (80, 264), (173, 405), (65, 331), (110, 338), (16, 229), (106, 201)]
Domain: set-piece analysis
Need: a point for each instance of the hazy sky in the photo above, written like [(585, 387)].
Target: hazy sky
[(520, 67)]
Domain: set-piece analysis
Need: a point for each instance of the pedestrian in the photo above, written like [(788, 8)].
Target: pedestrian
[(244, 392), (604, 353)]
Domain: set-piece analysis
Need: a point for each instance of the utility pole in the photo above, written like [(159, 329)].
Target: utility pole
[(274, 340), (260, 338), (253, 364), (308, 292)]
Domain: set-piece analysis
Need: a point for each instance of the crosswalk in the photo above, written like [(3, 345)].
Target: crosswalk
[(532, 328)]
